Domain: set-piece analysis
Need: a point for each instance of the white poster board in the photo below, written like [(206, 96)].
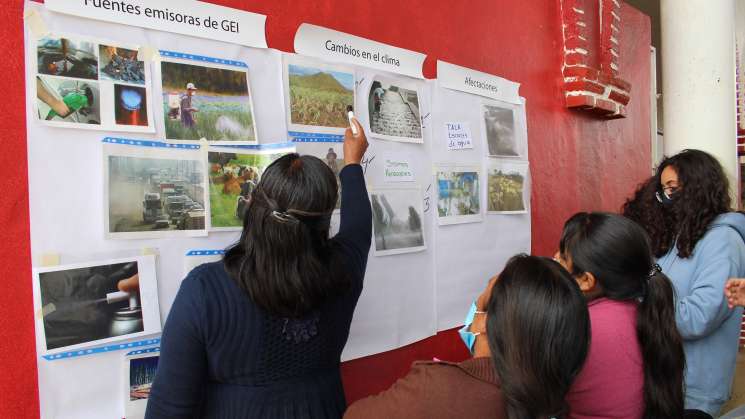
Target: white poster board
[(463, 267), (423, 291)]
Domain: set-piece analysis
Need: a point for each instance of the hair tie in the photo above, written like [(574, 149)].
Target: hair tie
[(284, 217), (654, 271)]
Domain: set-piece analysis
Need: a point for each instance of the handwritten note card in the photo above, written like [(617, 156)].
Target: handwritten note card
[(458, 135)]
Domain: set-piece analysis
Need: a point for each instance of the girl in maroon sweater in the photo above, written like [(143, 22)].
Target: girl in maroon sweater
[(635, 366)]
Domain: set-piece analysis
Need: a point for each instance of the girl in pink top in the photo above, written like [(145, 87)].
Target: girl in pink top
[(635, 365)]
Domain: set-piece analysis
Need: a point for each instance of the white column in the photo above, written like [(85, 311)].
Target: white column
[(698, 79)]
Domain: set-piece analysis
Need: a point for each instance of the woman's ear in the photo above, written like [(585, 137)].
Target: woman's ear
[(586, 282)]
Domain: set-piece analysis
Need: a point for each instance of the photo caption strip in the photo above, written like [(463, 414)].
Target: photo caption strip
[(186, 17), (102, 349), (467, 80), (149, 143), (205, 252), (310, 137), (202, 58), (257, 147), (144, 351), (335, 46)]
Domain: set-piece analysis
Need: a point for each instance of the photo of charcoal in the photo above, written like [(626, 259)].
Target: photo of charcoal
[(120, 64)]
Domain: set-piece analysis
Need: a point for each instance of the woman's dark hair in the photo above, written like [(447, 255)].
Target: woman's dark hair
[(616, 251), (539, 330), (283, 259), (704, 194)]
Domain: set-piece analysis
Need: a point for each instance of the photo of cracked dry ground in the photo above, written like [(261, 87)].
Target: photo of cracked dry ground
[(394, 111)]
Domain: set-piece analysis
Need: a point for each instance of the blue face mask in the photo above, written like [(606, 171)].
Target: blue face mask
[(468, 337)]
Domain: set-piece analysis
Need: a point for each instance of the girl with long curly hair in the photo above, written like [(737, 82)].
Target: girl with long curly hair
[(699, 243)]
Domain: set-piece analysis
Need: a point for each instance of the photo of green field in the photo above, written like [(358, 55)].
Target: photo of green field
[(206, 102), (319, 97), (233, 179), (505, 191)]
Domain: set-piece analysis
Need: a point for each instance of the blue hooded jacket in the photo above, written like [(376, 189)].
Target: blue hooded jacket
[(710, 330)]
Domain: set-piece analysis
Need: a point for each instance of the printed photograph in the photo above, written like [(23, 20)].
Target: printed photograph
[(319, 97), (130, 105), (206, 102), (233, 179), (141, 376), (397, 220), (68, 100), (500, 131), (505, 193), (67, 58), (148, 194), (120, 64), (79, 307), (335, 162), (394, 111), (458, 193)]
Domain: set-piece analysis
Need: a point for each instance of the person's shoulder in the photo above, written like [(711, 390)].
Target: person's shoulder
[(212, 272), (442, 371), (612, 319), (726, 232)]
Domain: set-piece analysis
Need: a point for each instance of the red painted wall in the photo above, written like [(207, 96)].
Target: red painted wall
[(577, 162)]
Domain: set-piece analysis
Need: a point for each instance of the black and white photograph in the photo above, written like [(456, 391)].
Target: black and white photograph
[(394, 111), (499, 125), (397, 220), (87, 304)]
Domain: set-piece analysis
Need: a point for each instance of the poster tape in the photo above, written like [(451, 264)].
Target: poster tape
[(102, 349), (46, 310), (36, 23), (147, 53), (50, 259), (147, 251)]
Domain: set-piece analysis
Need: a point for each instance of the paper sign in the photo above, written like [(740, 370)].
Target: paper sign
[(458, 135), (187, 17), (319, 42), (471, 81), (398, 169)]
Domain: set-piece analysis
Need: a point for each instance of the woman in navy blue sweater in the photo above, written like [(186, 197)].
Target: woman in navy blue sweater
[(260, 334)]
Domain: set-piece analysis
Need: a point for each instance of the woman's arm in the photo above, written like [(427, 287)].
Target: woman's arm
[(356, 215), (182, 367), (704, 309), (407, 398), (355, 230)]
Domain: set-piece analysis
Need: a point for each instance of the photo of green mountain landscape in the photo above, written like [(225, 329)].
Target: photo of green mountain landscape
[(319, 97)]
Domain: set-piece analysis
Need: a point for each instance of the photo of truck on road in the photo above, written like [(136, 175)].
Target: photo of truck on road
[(148, 194)]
